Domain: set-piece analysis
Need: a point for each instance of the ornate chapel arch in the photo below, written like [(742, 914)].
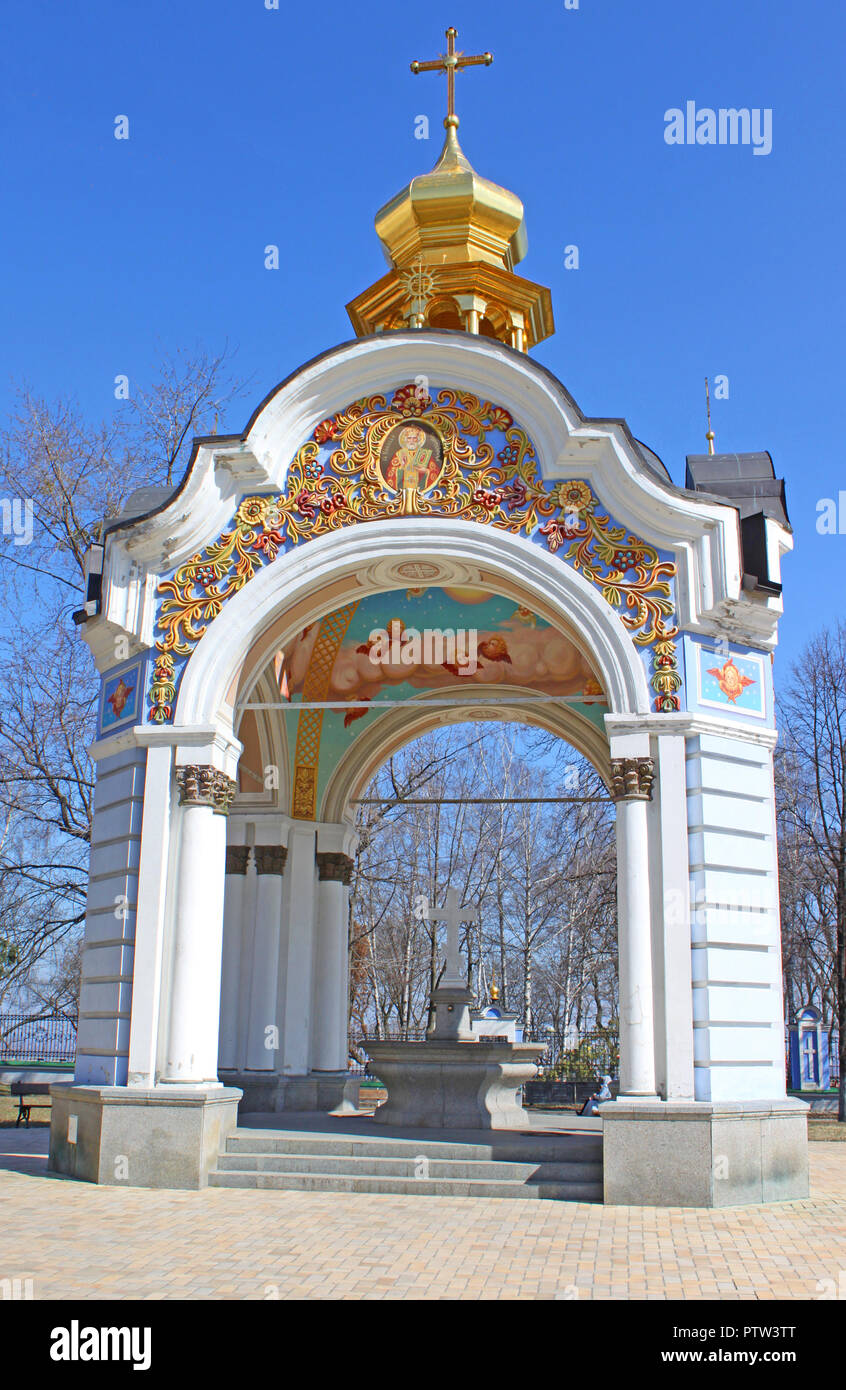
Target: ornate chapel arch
[(255, 620)]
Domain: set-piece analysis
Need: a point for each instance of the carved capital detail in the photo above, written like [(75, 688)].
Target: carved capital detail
[(201, 785), (333, 867), (631, 779), (237, 857), (270, 859)]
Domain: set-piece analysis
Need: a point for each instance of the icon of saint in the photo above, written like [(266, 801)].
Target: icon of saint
[(413, 468)]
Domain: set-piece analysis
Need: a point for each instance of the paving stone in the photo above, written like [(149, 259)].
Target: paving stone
[(75, 1240)]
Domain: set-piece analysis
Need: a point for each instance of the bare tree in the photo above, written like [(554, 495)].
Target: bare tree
[(812, 809), (542, 874), (187, 398), (70, 475)]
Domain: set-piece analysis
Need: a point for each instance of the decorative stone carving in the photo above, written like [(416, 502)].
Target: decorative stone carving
[(237, 857), (270, 859), (201, 785), (631, 779), (333, 867)]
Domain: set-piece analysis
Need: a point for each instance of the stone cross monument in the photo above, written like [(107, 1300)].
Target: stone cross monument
[(455, 1079), (452, 999)]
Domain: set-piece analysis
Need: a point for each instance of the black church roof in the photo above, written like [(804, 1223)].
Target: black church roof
[(746, 480)]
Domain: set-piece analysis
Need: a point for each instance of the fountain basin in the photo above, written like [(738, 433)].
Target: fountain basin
[(443, 1084)]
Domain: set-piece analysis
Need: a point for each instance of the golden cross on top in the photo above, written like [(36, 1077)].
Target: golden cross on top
[(450, 62)]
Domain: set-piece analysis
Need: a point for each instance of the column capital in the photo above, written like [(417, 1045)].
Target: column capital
[(471, 301), (270, 859), (631, 779), (333, 867), (236, 858), (202, 785)]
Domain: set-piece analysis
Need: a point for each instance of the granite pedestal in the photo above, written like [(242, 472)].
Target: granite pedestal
[(704, 1154), (272, 1092), (123, 1136)]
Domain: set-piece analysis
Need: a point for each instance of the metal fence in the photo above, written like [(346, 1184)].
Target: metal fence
[(359, 1057), (28, 1038), (578, 1056), (568, 1056)]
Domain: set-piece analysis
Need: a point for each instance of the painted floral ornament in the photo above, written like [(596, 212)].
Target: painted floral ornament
[(424, 452)]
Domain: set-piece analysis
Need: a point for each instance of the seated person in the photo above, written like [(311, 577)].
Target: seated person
[(592, 1103)]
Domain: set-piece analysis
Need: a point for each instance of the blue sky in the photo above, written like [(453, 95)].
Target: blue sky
[(251, 126)]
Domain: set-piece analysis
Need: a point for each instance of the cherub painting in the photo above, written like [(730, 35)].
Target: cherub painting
[(410, 462), (119, 697), (119, 700)]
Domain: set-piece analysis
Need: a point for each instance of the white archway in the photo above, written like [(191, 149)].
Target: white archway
[(300, 587)]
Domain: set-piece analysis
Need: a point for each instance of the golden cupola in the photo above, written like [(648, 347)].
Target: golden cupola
[(452, 239)]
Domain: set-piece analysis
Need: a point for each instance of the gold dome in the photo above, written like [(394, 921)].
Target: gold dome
[(452, 239), (453, 216)]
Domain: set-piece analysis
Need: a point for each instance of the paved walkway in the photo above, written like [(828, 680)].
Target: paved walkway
[(75, 1240)]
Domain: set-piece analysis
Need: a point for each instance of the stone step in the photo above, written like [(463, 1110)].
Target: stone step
[(564, 1148), (410, 1187), (560, 1167), (437, 1168)]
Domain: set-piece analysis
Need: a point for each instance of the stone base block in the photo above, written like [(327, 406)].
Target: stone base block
[(120, 1136), (453, 1085), (703, 1154), (268, 1092)]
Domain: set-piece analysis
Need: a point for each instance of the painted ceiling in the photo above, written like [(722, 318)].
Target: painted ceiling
[(398, 645)]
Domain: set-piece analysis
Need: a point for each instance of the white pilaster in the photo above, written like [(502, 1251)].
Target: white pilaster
[(736, 970), (110, 918)]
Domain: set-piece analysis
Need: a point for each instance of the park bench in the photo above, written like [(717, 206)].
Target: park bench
[(23, 1089)]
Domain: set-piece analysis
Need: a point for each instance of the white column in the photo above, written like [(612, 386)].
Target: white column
[(667, 815), (150, 920), (632, 778), (294, 1008), (237, 857), (331, 964), (472, 308), (192, 1045), (263, 1034)]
